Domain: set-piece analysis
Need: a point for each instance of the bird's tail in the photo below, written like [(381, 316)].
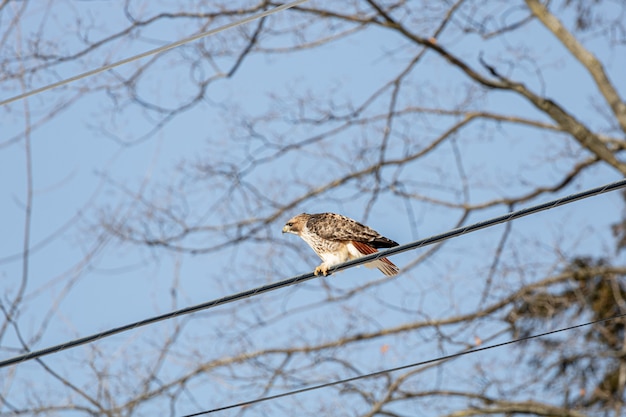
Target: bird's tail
[(383, 264)]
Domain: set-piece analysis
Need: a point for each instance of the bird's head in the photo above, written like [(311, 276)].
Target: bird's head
[(296, 224)]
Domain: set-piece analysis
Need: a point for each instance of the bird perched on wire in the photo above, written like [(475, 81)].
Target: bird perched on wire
[(337, 239)]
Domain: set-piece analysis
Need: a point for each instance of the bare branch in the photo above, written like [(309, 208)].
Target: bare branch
[(586, 58)]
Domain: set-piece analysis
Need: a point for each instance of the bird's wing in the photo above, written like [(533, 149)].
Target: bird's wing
[(336, 227)]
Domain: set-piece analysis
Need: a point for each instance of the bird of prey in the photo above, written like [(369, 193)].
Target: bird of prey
[(337, 239)]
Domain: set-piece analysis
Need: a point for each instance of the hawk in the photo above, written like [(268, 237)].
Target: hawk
[(337, 239)]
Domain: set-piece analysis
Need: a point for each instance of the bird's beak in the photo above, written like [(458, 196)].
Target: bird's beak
[(285, 229)]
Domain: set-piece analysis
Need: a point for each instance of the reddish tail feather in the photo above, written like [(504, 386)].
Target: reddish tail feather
[(383, 264)]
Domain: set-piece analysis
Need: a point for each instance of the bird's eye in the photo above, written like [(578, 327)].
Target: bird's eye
[(290, 224)]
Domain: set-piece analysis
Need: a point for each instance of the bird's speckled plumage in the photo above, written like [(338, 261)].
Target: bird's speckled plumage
[(337, 239)]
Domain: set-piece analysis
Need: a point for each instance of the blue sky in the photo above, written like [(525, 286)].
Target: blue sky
[(81, 172)]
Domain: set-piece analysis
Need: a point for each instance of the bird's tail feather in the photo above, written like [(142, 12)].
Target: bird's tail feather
[(383, 264)]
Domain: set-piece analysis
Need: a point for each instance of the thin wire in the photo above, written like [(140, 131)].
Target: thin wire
[(482, 225), (399, 368), (305, 277), (155, 51)]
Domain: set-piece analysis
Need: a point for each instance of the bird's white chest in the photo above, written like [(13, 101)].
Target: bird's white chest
[(331, 252), (334, 258)]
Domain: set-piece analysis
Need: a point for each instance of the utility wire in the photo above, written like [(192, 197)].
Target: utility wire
[(152, 52), (399, 368), (305, 277)]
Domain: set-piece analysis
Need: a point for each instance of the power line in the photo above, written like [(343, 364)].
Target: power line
[(399, 368), (484, 224), (153, 52), (305, 277)]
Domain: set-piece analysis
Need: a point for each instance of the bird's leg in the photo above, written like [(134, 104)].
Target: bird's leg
[(321, 269)]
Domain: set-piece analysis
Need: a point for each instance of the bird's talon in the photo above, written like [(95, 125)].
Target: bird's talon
[(322, 269)]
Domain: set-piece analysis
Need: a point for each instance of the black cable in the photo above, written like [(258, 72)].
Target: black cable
[(305, 277), (399, 368), (154, 51), (484, 224)]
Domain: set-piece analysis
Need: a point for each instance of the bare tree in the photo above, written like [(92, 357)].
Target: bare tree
[(414, 117)]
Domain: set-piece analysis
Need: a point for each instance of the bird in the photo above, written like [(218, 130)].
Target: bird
[(336, 239)]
